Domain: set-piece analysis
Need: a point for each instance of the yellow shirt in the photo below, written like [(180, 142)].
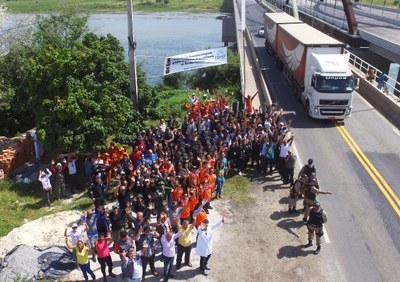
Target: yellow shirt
[(185, 239), (83, 256)]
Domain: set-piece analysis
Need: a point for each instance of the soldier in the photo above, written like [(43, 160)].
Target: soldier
[(308, 168), (310, 195), (295, 193), (315, 224)]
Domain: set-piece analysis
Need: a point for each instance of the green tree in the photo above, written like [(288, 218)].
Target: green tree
[(16, 112), (224, 76), (81, 86)]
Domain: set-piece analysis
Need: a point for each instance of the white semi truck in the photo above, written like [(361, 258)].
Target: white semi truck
[(315, 63)]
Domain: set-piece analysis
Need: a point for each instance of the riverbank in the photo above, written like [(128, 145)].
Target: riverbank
[(107, 6)]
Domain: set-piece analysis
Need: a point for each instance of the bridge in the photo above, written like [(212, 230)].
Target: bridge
[(387, 103), (358, 24)]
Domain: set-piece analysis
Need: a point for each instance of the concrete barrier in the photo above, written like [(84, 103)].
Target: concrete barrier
[(387, 105)]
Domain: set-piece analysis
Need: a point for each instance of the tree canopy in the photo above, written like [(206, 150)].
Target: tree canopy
[(75, 85)]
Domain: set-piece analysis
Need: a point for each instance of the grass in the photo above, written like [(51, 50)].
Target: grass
[(25, 202), (237, 188), (102, 6)]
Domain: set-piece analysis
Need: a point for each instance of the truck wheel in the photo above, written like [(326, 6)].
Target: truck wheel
[(308, 108)]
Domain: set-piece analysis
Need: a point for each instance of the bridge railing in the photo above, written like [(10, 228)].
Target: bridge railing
[(390, 85)]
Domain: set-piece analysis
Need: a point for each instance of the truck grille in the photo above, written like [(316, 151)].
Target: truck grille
[(333, 102), (332, 111)]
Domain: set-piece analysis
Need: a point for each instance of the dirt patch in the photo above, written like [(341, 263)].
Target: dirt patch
[(261, 242)]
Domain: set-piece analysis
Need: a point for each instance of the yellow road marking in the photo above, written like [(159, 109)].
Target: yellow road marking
[(372, 171)]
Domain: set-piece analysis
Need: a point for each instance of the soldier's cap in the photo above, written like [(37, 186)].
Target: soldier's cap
[(317, 204)]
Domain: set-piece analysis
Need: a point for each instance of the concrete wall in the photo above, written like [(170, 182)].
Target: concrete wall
[(387, 105)]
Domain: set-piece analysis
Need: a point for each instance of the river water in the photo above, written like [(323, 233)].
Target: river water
[(161, 35), (157, 35)]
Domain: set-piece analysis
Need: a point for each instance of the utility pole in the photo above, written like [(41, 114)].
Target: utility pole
[(133, 89)]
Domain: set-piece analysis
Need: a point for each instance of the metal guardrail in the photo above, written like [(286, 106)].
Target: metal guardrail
[(389, 87)]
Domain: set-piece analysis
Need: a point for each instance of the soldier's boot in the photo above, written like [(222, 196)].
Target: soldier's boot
[(317, 250), (290, 210), (304, 219), (309, 244), (295, 211)]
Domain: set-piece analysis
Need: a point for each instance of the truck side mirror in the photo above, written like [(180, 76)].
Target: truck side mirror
[(356, 85)]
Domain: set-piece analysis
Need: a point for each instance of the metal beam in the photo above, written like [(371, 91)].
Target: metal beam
[(350, 16)]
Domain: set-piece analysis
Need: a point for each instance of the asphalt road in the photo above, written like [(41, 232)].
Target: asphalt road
[(363, 242)]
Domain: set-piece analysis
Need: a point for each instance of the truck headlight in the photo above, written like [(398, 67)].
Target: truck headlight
[(316, 110)]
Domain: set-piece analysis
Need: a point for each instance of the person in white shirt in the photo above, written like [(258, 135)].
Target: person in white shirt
[(44, 178), (204, 243), (133, 264), (72, 173), (168, 251), (76, 233), (285, 145)]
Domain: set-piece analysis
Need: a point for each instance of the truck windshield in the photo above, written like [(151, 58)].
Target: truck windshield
[(334, 84)]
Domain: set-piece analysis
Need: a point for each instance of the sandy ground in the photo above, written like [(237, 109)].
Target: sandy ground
[(261, 242)]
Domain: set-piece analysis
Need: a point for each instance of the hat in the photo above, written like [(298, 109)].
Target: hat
[(260, 125), (281, 123), (122, 172), (147, 180), (74, 225), (42, 174), (310, 161), (140, 196), (58, 164)]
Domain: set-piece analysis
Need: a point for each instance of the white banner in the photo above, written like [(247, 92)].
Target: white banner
[(195, 60)]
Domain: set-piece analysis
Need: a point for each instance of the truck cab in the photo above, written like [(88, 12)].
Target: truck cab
[(329, 87)]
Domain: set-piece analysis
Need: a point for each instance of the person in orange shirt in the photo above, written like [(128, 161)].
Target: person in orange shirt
[(249, 103), (112, 150), (206, 195), (185, 214), (199, 213), (192, 202)]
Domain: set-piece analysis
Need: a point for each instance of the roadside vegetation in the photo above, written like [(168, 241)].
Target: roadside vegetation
[(62, 79), (110, 6)]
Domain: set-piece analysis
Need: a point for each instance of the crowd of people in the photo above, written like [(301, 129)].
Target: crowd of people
[(173, 173)]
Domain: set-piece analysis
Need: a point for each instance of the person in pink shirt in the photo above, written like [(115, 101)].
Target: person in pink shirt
[(103, 255)]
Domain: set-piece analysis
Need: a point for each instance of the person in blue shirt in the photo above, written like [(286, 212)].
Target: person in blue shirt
[(220, 179)]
